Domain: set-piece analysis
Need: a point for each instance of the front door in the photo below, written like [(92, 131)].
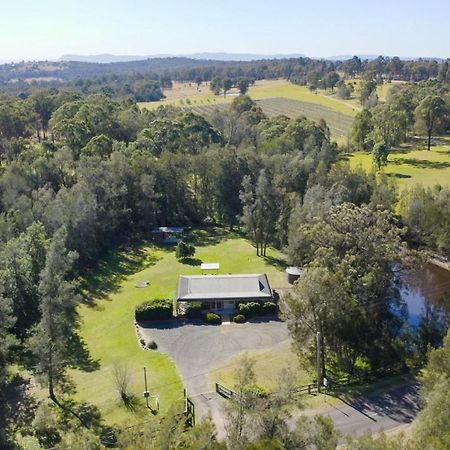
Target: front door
[(229, 305)]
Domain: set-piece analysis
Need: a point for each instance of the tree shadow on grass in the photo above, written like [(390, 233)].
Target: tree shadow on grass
[(191, 261), (212, 235), (80, 355), (107, 277), (420, 163), (398, 175), (279, 263)]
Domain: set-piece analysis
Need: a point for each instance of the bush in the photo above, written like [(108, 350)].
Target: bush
[(269, 309), (250, 309), (154, 310), (240, 318), (184, 250), (212, 318), (194, 310), (152, 345)]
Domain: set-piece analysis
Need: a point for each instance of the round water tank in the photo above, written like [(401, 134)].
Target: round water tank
[(292, 273)]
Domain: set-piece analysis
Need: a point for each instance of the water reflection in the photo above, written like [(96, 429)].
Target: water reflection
[(427, 294)]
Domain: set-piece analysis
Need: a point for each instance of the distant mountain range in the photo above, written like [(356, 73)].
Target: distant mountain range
[(108, 58), (372, 57)]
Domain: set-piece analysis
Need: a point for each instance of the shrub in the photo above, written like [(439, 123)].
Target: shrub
[(154, 310), (194, 310), (240, 318), (212, 318), (152, 345), (249, 309), (184, 250), (256, 391), (269, 309)]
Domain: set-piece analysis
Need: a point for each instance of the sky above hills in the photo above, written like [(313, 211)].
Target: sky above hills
[(47, 29)]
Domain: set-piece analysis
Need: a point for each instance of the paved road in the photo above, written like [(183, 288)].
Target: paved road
[(384, 411), (197, 348)]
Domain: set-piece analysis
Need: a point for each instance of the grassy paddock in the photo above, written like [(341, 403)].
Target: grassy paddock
[(108, 314), (411, 166), (187, 96), (269, 364)]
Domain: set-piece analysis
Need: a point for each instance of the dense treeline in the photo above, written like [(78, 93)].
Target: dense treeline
[(143, 80), (78, 175)]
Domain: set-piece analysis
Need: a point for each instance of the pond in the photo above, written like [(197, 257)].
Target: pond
[(427, 293)]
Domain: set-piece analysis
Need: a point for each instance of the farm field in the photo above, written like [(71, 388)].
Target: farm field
[(185, 95), (108, 316), (412, 166), (339, 124)]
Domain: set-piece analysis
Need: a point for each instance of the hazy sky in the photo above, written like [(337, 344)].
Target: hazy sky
[(41, 29)]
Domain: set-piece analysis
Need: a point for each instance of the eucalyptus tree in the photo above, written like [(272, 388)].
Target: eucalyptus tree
[(432, 114)]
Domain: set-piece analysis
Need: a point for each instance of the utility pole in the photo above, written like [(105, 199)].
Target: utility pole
[(146, 393), (319, 365)]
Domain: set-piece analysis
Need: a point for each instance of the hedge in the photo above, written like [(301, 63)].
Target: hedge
[(194, 310), (269, 309), (212, 318), (252, 309), (158, 309)]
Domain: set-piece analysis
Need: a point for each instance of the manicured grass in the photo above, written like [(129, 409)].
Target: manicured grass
[(107, 317), (412, 166), (263, 89)]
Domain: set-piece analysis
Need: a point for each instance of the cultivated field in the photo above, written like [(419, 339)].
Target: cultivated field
[(184, 95), (411, 166), (108, 316)]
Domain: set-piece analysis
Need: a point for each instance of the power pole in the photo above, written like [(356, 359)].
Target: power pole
[(146, 393), (319, 365)]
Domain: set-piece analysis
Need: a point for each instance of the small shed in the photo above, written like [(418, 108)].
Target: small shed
[(168, 235), (213, 268), (293, 274)]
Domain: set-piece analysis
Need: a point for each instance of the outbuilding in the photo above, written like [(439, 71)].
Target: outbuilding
[(168, 235), (221, 293)]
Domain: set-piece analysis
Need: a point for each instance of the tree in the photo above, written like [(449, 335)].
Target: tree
[(433, 422), (243, 86), (330, 80), (380, 154), (227, 84), (367, 88), (260, 209), (43, 104), (52, 336), (431, 114), (388, 125), (361, 128), (348, 289), (7, 340), (184, 250)]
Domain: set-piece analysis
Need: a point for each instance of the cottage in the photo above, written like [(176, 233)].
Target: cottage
[(221, 293)]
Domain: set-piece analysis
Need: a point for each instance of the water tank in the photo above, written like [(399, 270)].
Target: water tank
[(292, 274)]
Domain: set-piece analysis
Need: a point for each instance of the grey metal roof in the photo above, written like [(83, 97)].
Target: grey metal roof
[(174, 230), (220, 287)]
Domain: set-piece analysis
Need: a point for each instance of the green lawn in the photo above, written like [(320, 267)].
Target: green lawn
[(264, 89), (107, 321), (412, 166), (269, 364)]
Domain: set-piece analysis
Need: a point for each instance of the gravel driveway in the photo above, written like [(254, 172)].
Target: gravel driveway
[(197, 348)]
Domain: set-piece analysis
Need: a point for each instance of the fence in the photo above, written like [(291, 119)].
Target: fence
[(224, 391)]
